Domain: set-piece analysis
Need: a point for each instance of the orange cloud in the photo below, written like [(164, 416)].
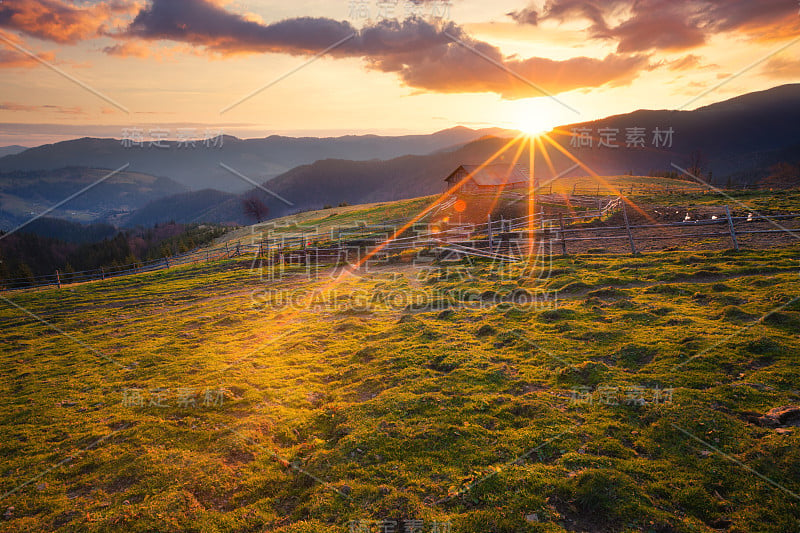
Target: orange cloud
[(129, 49), (687, 62), (456, 69), (61, 21), (14, 59), (12, 106), (782, 68)]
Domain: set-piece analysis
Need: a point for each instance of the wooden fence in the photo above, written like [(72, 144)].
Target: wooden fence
[(627, 190), (507, 239), (59, 278), (502, 240)]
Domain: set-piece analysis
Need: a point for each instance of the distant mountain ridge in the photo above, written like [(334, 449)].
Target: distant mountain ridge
[(11, 150), (24, 194), (198, 167), (207, 205), (739, 138), (332, 181)]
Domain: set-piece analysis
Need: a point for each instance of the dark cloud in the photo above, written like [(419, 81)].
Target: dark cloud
[(593, 11), (423, 54), (201, 22), (528, 15), (663, 27), (668, 25), (204, 23), (760, 18)]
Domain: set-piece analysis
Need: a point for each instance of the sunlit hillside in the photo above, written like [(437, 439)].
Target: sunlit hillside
[(622, 393)]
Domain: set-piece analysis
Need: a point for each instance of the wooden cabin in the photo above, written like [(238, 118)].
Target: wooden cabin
[(474, 178)]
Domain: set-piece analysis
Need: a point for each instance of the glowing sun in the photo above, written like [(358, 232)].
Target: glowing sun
[(533, 128)]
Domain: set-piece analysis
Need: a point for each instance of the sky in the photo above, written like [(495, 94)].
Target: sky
[(311, 67)]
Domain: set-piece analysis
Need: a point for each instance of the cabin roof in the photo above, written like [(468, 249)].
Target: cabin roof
[(492, 175)]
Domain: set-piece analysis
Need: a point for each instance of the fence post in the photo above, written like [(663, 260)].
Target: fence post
[(102, 273), (628, 227), (563, 237), (730, 226), (58, 279), (489, 231)]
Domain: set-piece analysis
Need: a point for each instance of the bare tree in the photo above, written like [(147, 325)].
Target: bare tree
[(782, 176), (697, 163), (254, 207)]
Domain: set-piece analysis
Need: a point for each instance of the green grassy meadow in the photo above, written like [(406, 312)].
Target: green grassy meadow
[(588, 393)]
